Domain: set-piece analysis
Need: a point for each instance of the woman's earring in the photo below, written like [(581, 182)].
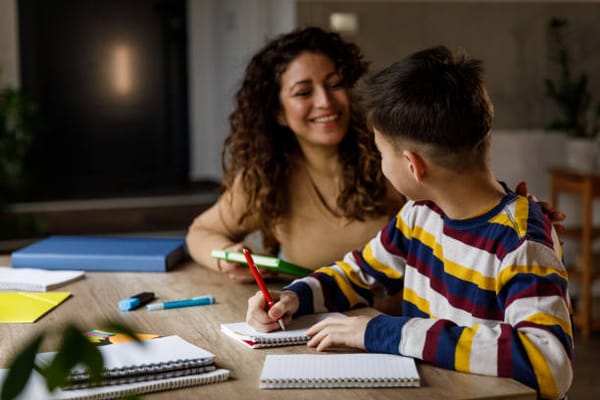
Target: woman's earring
[(281, 120)]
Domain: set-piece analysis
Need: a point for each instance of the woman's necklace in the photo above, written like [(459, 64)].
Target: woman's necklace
[(331, 209)]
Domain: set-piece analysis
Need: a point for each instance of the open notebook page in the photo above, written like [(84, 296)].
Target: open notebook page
[(293, 334)]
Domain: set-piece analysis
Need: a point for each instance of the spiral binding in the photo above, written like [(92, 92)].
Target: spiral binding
[(307, 383), (216, 376), (81, 375), (281, 341), (141, 378)]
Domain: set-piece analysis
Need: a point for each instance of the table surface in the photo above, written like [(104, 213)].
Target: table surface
[(94, 300)]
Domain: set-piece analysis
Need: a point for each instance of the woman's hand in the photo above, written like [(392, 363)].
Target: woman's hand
[(338, 331), (555, 216), (264, 320), (240, 272)]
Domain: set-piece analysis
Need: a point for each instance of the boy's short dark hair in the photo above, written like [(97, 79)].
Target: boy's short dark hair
[(435, 99)]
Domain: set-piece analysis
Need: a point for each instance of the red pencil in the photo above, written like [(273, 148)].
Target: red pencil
[(261, 284)]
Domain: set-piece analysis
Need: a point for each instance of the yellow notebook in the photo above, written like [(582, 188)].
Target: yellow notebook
[(28, 307)]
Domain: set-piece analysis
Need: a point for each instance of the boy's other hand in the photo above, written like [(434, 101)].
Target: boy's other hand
[(555, 216), (264, 320), (338, 331)]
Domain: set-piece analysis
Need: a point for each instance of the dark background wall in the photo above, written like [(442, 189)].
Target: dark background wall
[(510, 36)]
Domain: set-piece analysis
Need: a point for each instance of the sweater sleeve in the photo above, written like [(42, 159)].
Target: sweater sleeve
[(534, 343), (376, 269)]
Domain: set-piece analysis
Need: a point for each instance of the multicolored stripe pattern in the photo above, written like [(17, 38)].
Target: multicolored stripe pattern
[(486, 295)]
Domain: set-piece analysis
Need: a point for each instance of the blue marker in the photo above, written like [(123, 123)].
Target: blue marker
[(136, 301), (194, 301)]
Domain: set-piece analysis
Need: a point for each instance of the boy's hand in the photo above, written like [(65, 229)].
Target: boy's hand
[(264, 320), (338, 331)]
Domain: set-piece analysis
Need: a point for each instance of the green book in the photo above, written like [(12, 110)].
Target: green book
[(266, 262)]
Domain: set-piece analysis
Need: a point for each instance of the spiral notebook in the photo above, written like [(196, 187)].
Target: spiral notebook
[(145, 367), (36, 387), (356, 370), (35, 279), (293, 334), (133, 361)]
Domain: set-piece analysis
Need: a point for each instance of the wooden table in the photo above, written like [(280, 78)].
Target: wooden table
[(95, 300), (585, 184)]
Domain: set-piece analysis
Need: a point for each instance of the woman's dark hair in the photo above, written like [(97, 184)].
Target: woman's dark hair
[(260, 149)]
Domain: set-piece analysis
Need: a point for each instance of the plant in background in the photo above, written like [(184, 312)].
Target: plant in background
[(75, 349), (16, 131), (571, 94), (17, 123)]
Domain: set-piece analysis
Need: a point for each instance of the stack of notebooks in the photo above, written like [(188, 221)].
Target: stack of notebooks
[(134, 368)]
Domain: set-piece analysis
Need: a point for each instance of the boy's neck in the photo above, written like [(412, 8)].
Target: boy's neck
[(464, 195)]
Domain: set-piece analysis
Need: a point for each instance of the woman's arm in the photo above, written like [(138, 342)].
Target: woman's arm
[(219, 228)]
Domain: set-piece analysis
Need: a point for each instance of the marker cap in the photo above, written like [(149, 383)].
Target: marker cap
[(133, 302), (155, 306)]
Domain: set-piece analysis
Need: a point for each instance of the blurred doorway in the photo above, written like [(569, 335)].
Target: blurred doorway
[(110, 82)]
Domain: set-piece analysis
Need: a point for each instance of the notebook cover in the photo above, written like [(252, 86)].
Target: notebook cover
[(101, 253), (168, 362), (266, 262), (154, 356), (28, 307), (352, 370)]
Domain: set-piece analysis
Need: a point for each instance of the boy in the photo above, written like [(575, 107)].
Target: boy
[(479, 267)]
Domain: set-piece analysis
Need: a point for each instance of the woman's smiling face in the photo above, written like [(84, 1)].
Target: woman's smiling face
[(315, 103)]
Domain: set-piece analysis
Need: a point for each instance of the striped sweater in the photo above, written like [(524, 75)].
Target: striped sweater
[(486, 295)]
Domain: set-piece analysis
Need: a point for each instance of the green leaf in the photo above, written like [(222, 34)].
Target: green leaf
[(119, 327), (20, 370), (75, 349)]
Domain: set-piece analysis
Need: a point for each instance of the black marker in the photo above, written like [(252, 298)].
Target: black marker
[(136, 301)]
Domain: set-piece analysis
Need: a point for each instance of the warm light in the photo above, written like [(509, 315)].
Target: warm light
[(343, 22), (122, 70)]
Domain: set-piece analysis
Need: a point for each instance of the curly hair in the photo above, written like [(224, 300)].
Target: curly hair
[(260, 149)]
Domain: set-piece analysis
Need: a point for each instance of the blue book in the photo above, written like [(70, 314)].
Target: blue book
[(101, 253)]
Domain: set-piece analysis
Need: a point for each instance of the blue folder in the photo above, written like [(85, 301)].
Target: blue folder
[(101, 253)]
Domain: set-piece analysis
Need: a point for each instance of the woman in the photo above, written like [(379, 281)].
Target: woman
[(300, 167), (299, 164)]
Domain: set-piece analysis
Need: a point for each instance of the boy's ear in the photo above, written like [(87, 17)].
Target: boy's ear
[(416, 164)]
